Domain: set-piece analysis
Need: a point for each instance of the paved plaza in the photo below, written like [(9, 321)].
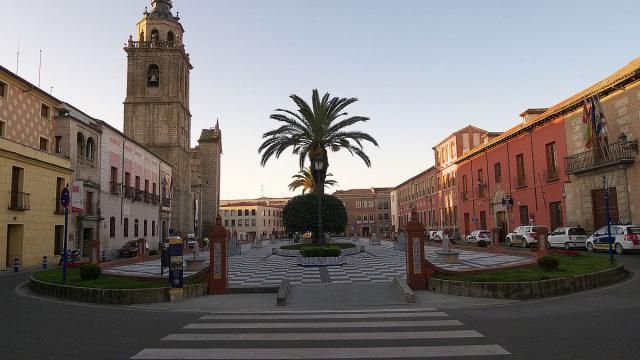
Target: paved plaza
[(257, 267)]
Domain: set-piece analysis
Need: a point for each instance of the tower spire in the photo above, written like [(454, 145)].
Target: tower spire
[(161, 8)]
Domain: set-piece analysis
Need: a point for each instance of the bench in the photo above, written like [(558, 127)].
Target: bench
[(283, 291), (406, 292), (194, 264)]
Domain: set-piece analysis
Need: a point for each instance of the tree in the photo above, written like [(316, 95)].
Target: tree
[(304, 179), (301, 213), (314, 129)]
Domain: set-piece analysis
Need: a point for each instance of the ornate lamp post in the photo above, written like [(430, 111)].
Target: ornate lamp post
[(318, 166)]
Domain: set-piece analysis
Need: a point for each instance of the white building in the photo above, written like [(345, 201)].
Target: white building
[(249, 219), (135, 192)]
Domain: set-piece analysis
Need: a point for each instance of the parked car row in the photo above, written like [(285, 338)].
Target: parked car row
[(625, 238)]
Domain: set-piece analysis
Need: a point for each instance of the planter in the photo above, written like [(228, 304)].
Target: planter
[(320, 261), (528, 289), (296, 253)]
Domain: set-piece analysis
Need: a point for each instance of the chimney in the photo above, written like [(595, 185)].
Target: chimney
[(530, 115)]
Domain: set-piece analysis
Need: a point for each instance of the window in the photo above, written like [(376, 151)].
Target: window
[(371, 217), (154, 189), (371, 206), (91, 149), (3, 90), (88, 203), (358, 204), (58, 143), (60, 183), (524, 215), (253, 212), (521, 182), (44, 144), (497, 172), (464, 187), (239, 222), (154, 35), (246, 212), (269, 212), (483, 219), (380, 216), (226, 223), (58, 244), (153, 74), (137, 183), (246, 222), (170, 36), (80, 144), (3, 129), (253, 222), (126, 227), (552, 162), (144, 228), (135, 228), (153, 228), (112, 227), (233, 222), (359, 218), (45, 110), (226, 213)]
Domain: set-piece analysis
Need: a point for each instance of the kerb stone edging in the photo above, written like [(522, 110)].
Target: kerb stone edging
[(528, 289), (111, 296)]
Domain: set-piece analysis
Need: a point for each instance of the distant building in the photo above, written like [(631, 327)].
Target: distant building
[(251, 219), (368, 211), (33, 173)]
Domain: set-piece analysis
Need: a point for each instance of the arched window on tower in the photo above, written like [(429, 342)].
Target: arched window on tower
[(91, 149), (153, 76), (170, 37), (154, 35), (141, 35), (80, 143)]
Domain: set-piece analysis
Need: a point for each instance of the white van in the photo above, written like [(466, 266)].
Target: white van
[(192, 240)]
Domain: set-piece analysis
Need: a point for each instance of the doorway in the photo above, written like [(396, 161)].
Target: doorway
[(501, 223), (600, 210), (365, 231), (15, 237), (86, 237)]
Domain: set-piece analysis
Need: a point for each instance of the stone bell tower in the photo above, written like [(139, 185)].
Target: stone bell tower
[(156, 108)]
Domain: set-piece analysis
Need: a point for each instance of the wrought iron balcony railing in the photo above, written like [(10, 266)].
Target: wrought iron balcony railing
[(610, 154), (129, 192), (155, 199), (482, 189), (139, 194), (19, 201), (550, 175), (520, 181), (115, 187), (166, 202)]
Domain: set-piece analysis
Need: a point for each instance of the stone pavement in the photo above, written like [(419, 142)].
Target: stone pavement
[(378, 264)]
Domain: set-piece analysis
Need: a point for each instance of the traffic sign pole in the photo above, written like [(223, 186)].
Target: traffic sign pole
[(606, 205)]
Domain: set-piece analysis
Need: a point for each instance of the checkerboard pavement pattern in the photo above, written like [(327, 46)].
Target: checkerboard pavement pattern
[(257, 267)]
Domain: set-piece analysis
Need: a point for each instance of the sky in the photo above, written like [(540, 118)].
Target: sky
[(421, 69)]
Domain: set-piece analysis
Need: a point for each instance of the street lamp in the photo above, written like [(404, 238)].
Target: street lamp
[(318, 166)]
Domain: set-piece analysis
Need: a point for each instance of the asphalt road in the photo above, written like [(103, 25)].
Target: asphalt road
[(599, 324)]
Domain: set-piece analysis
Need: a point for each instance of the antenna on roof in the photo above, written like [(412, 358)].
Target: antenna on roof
[(51, 91), (18, 57)]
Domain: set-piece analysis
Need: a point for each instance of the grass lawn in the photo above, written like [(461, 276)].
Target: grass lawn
[(569, 266), (341, 245), (103, 282)]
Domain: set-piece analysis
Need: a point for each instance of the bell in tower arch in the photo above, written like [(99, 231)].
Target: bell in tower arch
[(153, 76)]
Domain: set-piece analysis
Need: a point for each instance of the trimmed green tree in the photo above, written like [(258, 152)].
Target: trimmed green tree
[(301, 214)]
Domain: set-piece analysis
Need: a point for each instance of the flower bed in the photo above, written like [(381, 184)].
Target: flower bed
[(320, 261)]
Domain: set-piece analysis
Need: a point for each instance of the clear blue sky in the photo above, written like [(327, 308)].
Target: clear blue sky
[(421, 69)]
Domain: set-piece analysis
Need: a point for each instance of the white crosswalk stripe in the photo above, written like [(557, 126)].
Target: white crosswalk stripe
[(350, 334)]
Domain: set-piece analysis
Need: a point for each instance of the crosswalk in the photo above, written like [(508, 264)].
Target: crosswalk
[(346, 334)]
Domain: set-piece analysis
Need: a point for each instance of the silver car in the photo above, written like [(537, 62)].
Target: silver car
[(567, 238)]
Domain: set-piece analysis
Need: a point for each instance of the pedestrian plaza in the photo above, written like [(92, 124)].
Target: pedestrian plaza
[(258, 267)]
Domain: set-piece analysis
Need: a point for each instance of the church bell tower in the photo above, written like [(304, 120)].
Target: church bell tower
[(156, 108)]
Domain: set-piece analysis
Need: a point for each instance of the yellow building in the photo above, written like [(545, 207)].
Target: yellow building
[(31, 174)]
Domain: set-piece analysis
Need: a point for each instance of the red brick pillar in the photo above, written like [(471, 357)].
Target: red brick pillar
[(94, 251), (416, 265), (218, 255)]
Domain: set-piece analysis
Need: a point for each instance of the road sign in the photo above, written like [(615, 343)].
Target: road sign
[(474, 220), (64, 197)]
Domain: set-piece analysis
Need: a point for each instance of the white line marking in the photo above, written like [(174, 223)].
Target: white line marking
[(451, 334), (324, 311), (324, 353), (316, 325), (323, 316)]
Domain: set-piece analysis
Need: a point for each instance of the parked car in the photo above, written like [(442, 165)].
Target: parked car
[(191, 240), (526, 235), (129, 249), (477, 235), (567, 237), (624, 238)]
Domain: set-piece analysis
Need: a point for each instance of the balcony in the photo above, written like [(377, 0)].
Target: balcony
[(139, 194), (19, 201), (166, 202), (151, 44), (520, 181), (115, 187), (550, 175), (612, 154), (465, 195), (146, 197), (86, 161), (155, 199), (482, 189), (129, 192)]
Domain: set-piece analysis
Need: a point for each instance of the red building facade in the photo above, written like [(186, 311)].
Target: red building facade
[(516, 178)]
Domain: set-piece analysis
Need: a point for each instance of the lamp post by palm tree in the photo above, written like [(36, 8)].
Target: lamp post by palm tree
[(305, 179), (318, 166)]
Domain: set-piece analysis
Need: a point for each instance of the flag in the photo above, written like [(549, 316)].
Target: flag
[(600, 122), (587, 135)]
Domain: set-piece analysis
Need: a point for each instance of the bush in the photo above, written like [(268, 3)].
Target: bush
[(90, 272), (320, 251), (301, 214), (482, 243), (300, 246), (548, 263), (153, 252)]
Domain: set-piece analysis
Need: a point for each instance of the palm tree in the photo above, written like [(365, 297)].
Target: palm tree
[(313, 129), (304, 179)]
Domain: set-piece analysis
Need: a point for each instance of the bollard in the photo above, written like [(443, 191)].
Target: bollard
[(45, 262), (16, 264)]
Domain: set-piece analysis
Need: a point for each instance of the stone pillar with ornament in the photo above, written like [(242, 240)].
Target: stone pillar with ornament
[(141, 247), (94, 251), (416, 263), (219, 257)]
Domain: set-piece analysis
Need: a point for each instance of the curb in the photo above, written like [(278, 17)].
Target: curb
[(111, 296), (528, 289)]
